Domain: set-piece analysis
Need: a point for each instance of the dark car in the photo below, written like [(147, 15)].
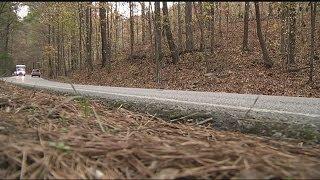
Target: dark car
[(35, 72)]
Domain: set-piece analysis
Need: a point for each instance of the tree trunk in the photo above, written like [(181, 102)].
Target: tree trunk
[(313, 6), (54, 43), (189, 31), (137, 31), (97, 35), (292, 34), (179, 28), (200, 21), (49, 57), (227, 17), (246, 27), (73, 51), (117, 28), (267, 27), (212, 27), (143, 24), (266, 59), (150, 23), (110, 39), (6, 38), (158, 49), (131, 28), (122, 34), (108, 21), (7, 31), (88, 37), (63, 58), (59, 50), (283, 28), (167, 28), (220, 19), (80, 35), (173, 22), (104, 41)]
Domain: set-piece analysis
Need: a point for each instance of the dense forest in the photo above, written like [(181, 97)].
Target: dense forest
[(244, 47), (8, 22), (261, 60)]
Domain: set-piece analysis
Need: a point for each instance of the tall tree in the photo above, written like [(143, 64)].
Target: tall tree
[(88, 36), (266, 59), (7, 19), (157, 35), (143, 24), (292, 33), (117, 28), (7, 34), (167, 28), (55, 54), (313, 7), (131, 28), (200, 20), (108, 21), (212, 27), (246, 26), (137, 29), (72, 51), (58, 45), (63, 58), (227, 16), (111, 17), (104, 42), (97, 36), (150, 22), (80, 12), (189, 28), (220, 17), (122, 33), (283, 13), (179, 27), (49, 56)]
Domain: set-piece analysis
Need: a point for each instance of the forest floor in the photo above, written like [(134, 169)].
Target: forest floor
[(45, 135), (228, 70)]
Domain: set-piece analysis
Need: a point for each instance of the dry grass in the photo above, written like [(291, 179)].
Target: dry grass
[(86, 139)]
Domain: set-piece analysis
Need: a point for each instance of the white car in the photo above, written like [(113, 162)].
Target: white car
[(21, 71)]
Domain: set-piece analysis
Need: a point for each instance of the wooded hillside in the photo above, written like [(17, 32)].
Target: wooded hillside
[(243, 47)]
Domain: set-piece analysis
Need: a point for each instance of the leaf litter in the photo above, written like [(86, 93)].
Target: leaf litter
[(227, 70), (114, 143)]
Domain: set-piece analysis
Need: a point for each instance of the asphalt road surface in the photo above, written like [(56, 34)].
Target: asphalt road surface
[(298, 109)]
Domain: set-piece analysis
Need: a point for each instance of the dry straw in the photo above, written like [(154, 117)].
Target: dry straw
[(116, 143)]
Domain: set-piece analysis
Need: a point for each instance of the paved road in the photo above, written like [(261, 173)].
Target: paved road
[(274, 107)]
